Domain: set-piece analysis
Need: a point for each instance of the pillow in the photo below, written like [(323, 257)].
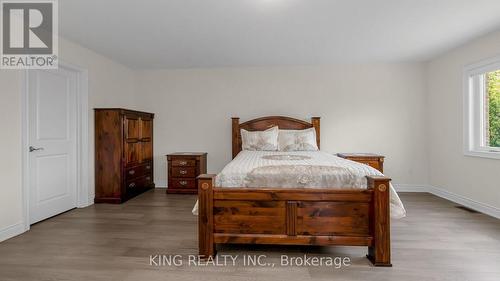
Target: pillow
[(297, 140), (260, 140)]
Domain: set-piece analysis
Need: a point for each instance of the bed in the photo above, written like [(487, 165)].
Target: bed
[(295, 198)]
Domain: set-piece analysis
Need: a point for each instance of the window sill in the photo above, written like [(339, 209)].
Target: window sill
[(483, 154)]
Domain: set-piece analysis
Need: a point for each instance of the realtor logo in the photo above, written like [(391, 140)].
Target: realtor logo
[(29, 34)]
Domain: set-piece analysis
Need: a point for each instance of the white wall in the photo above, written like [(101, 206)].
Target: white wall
[(369, 107), (380, 108), (10, 151), (110, 85), (470, 177)]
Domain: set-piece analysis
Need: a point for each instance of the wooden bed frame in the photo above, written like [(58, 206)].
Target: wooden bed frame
[(291, 216)]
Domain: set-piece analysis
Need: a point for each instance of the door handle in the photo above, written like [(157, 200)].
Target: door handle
[(35, 148)]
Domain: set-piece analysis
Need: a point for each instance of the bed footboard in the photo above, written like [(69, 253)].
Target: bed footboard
[(349, 217)]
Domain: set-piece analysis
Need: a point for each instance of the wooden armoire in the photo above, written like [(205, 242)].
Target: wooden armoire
[(123, 154)]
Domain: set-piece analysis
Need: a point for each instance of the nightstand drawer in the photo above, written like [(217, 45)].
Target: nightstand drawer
[(371, 163), (182, 183), (183, 172), (373, 160), (183, 163)]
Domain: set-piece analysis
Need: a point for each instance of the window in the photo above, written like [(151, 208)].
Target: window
[(482, 109)]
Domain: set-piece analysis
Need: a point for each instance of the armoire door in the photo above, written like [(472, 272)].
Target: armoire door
[(132, 149), (146, 138), (147, 151), (146, 128)]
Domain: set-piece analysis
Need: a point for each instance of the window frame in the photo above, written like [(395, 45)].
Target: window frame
[(474, 87)]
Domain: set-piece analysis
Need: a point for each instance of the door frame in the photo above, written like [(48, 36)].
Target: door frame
[(82, 139)]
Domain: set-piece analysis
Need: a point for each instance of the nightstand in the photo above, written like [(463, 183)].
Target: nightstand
[(370, 159), (183, 168)]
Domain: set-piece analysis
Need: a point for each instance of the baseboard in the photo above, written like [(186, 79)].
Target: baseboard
[(467, 202), (162, 187), (450, 196), (11, 231), (411, 188)]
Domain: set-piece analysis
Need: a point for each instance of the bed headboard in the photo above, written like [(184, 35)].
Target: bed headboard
[(264, 123)]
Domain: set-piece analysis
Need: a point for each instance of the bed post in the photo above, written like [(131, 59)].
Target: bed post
[(315, 121), (206, 243), (236, 136), (380, 252)]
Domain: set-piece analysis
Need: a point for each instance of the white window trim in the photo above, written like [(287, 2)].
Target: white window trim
[(473, 119)]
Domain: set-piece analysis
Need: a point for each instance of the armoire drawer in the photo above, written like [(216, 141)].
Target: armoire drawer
[(138, 171), (139, 183)]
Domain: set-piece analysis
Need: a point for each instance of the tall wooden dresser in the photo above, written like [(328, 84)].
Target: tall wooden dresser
[(123, 154)]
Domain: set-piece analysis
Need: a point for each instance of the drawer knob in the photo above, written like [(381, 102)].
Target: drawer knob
[(148, 167), (148, 178), (183, 163), (183, 182), (131, 172), (183, 172), (131, 184)]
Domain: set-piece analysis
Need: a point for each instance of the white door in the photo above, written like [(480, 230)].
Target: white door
[(52, 142)]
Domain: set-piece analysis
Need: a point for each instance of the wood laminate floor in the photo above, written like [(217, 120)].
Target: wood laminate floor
[(436, 241)]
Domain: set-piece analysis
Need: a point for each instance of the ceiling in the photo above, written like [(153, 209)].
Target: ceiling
[(218, 33)]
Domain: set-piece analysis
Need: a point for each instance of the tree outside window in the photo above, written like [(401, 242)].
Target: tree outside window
[(492, 110)]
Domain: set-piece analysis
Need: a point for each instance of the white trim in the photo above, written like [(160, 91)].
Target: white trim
[(24, 150), (483, 154), (11, 231), (467, 202), (401, 187), (450, 196), (83, 193), (484, 65)]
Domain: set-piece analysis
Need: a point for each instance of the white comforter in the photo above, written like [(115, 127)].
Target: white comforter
[(300, 169)]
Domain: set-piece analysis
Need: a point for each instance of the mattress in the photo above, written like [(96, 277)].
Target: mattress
[(299, 169)]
